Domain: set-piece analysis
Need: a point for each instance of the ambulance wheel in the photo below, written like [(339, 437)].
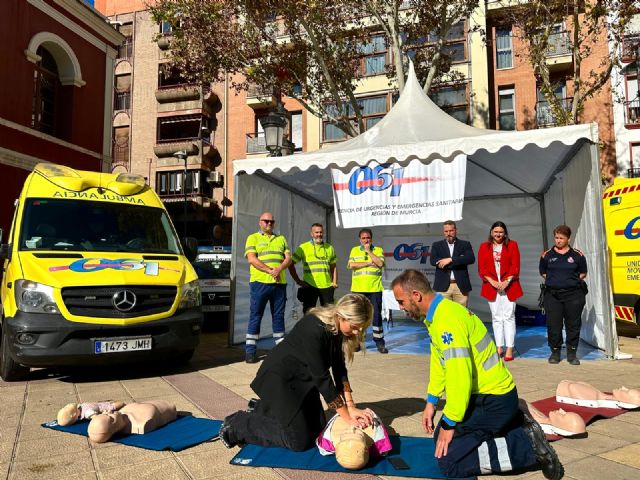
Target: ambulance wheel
[(10, 370)]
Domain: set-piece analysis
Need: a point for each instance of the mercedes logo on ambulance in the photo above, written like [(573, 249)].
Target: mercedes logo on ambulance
[(124, 300)]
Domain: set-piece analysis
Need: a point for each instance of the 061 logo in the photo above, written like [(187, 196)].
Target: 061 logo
[(378, 178), (414, 251)]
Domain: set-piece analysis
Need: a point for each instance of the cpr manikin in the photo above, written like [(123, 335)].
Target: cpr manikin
[(586, 395), (353, 446), (72, 412), (558, 422), (138, 418)]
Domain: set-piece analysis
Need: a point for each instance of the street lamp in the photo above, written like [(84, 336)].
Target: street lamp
[(182, 155), (274, 126)]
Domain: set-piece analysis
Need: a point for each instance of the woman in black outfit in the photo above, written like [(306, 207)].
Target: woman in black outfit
[(564, 270), (309, 362)]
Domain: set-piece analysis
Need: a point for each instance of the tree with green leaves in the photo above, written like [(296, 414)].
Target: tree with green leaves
[(577, 27), (310, 50)]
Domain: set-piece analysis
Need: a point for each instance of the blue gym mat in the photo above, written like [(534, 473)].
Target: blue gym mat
[(410, 337), (416, 452), (184, 432)]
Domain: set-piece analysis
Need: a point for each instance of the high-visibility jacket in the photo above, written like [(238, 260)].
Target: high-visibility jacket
[(367, 279), (464, 358), (270, 250), (316, 262)]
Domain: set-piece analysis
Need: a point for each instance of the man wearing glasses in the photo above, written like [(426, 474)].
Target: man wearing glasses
[(268, 256), (366, 262), (320, 275)]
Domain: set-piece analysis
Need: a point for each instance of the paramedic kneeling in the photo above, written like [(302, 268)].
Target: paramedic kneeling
[(482, 430)]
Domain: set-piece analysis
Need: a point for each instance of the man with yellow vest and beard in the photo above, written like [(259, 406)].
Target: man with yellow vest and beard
[(366, 262), (482, 429), (320, 275), (268, 255)]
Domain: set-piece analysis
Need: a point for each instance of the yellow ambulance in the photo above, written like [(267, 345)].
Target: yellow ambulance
[(621, 203), (93, 274)]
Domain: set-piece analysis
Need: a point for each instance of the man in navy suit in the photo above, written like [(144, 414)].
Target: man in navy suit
[(451, 257)]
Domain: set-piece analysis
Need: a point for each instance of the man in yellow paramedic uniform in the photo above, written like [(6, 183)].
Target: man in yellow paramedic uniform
[(320, 275), (482, 429), (268, 255), (366, 262)]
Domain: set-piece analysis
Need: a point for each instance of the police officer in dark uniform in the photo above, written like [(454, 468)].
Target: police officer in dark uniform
[(564, 270)]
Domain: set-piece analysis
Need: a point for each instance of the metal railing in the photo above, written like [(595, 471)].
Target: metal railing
[(631, 47), (126, 49), (256, 143), (632, 112), (559, 44), (633, 172), (121, 154), (544, 113), (256, 91), (122, 101)]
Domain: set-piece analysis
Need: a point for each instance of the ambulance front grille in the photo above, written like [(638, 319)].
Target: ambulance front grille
[(133, 300)]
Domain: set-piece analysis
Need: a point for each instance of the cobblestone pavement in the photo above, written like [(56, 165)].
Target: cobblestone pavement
[(217, 383)]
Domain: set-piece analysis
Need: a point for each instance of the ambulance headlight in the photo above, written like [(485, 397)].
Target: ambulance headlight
[(33, 297), (190, 295)]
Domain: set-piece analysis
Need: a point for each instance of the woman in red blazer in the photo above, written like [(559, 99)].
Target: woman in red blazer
[(499, 269)]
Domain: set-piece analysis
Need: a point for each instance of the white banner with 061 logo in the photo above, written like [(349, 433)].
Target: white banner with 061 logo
[(389, 194)]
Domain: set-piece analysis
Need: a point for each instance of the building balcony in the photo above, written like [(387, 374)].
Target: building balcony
[(193, 147), (632, 113), (633, 173), (495, 5), (166, 148), (544, 114), (256, 143), (185, 93), (125, 51), (164, 42), (197, 198), (631, 47), (559, 54), (122, 101), (259, 98)]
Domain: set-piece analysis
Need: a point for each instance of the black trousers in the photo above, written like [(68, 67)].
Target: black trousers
[(489, 439), (260, 427), (564, 306), (310, 295)]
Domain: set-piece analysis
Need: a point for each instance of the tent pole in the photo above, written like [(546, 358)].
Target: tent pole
[(234, 256), (543, 220)]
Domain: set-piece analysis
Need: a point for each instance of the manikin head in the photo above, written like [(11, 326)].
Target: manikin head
[(352, 451)]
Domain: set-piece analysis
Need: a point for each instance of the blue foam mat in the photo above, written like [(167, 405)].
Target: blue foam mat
[(410, 337), (417, 452), (184, 432)]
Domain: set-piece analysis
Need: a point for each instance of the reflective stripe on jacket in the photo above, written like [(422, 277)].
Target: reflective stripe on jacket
[(316, 262), (464, 358), (270, 251), (367, 279)]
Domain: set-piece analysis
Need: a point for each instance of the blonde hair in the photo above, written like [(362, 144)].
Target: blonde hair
[(354, 308)]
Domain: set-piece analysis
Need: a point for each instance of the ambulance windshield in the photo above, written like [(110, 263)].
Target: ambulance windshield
[(80, 225)]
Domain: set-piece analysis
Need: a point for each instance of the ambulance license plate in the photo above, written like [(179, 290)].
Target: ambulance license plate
[(120, 344)]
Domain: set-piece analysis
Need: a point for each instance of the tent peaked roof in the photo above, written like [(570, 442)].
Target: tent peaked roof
[(414, 118), (417, 128)]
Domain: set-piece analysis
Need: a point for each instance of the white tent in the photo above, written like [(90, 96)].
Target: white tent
[(532, 180)]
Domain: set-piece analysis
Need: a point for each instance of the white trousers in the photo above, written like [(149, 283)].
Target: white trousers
[(503, 318)]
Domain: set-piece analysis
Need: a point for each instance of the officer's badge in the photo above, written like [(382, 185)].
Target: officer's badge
[(570, 260), (447, 338)]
